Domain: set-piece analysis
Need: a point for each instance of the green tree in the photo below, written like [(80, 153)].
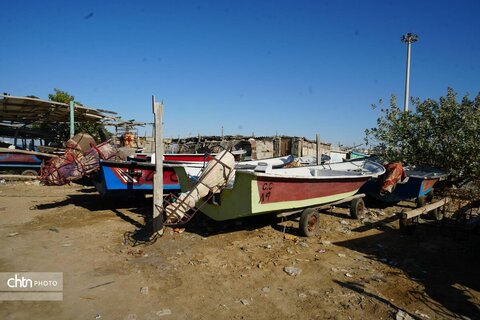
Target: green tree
[(444, 134), (61, 96), (60, 132)]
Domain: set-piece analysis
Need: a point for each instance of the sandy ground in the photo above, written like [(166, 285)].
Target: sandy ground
[(236, 270)]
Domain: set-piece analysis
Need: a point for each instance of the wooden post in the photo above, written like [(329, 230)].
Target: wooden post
[(15, 138), (115, 136), (319, 153), (158, 177), (72, 119), (279, 150)]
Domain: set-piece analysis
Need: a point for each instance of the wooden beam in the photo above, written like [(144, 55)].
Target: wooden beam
[(321, 207), (158, 177), (35, 153), (15, 177), (319, 153), (425, 209)]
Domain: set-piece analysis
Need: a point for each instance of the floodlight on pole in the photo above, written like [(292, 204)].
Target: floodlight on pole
[(408, 38)]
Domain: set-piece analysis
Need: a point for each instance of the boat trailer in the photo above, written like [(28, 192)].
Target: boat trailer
[(409, 219), (310, 217)]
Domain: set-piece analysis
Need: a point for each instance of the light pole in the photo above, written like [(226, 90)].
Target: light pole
[(408, 38)]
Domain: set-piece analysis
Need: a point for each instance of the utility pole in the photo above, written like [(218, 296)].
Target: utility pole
[(408, 38)]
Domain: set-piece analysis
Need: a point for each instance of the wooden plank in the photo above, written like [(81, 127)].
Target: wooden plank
[(35, 153), (326, 206), (289, 213), (319, 153), (321, 207), (158, 177), (17, 177), (425, 209)]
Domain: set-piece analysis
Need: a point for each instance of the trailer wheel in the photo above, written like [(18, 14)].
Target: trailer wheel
[(407, 226), (357, 208), (436, 214), (309, 222), (32, 173)]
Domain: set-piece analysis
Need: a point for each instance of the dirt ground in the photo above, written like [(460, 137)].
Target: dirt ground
[(231, 270)]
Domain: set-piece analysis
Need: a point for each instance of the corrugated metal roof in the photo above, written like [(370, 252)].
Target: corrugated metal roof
[(30, 110)]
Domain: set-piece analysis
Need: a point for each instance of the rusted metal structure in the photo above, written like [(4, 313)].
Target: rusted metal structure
[(25, 110)]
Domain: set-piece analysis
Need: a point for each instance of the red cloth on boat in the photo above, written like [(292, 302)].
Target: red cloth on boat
[(394, 173)]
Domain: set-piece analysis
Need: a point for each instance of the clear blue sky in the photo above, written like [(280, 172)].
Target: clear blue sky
[(286, 67)]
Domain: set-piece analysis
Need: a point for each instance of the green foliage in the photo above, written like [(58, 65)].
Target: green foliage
[(61, 96), (60, 132), (444, 134)]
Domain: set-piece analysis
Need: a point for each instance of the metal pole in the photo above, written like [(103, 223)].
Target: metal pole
[(158, 177), (408, 38), (319, 154), (72, 119), (407, 78)]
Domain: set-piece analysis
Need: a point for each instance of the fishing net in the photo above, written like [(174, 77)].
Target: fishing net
[(76, 164)]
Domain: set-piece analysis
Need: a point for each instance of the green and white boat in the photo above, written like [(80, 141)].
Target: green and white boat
[(266, 190)]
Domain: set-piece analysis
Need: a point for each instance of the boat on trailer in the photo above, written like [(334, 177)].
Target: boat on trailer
[(266, 190), (24, 161), (418, 186)]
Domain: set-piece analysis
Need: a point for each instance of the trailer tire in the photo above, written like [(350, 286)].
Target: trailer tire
[(357, 208), (29, 172), (309, 222), (436, 214)]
